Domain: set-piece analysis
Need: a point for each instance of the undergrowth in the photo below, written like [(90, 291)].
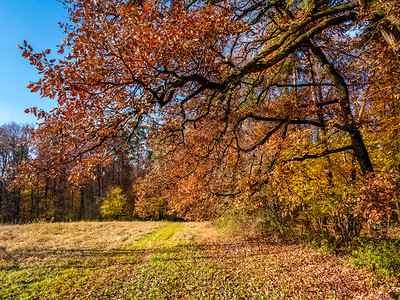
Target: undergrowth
[(379, 257), (382, 257)]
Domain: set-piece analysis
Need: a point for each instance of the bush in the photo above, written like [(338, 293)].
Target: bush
[(265, 221), (239, 223)]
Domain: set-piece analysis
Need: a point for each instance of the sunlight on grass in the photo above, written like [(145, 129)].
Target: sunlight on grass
[(166, 260), (80, 235)]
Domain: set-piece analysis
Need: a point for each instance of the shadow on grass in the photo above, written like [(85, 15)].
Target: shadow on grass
[(67, 258)]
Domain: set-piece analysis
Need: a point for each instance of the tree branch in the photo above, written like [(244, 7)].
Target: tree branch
[(324, 153)]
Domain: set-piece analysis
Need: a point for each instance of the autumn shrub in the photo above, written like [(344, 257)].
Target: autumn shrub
[(346, 224), (240, 223), (314, 219), (362, 208), (277, 218), (324, 246), (377, 201), (115, 205), (339, 213), (264, 221), (304, 201)]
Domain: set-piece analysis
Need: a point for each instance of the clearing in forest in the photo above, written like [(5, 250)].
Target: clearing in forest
[(167, 260)]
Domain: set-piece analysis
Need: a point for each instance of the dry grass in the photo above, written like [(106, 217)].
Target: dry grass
[(81, 235), (41, 242), (99, 235), (167, 260)]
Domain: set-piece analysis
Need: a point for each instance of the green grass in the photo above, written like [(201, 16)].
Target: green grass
[(169, 261), (163, 237), (383, 258)]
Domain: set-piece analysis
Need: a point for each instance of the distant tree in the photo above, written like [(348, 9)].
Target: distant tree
[(14, 150), (115, 205)]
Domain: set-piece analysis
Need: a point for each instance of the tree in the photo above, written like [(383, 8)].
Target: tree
[(230, 90), (115, 205), (14, 151)]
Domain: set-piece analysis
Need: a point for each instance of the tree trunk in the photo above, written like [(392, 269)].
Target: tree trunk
[(391, 35), (347, 122), (82, 205), (386, 23)]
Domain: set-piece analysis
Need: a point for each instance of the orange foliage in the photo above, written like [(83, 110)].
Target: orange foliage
[(229, 94)]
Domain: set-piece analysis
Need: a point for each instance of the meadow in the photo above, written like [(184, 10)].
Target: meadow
[(169, 260)]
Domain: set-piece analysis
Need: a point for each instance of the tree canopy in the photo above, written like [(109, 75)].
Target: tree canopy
[(237, 98)]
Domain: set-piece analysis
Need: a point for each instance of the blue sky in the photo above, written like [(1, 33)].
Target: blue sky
[(35, 21)]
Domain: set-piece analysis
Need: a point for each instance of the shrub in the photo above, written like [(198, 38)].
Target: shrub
[(265, 221)]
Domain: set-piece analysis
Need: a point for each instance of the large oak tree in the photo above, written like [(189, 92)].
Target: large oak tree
[(227, 90)]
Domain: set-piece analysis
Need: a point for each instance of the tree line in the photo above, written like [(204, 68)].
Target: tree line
[(55, 198)]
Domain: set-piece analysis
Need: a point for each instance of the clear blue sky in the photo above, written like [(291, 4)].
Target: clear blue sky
[(35, 21)]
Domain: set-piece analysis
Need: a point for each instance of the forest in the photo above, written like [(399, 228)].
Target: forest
[(282, 114), (55, 198)]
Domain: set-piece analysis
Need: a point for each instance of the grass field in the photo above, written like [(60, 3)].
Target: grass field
[(167, 260)]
